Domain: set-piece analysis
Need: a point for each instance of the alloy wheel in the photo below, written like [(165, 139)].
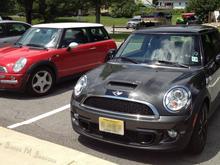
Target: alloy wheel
[(42, 82)]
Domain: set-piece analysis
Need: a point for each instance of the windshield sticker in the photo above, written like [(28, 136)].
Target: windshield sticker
[(195, 59), (38, 30)]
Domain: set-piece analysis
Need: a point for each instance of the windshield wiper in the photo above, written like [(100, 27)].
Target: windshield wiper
[(127, 59), (18, 45), (173, 63), (37, 46)]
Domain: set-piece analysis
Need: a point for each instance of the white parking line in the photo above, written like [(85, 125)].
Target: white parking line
[(32, 120)]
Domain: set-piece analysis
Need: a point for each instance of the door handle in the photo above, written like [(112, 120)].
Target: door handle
[(92, 48)]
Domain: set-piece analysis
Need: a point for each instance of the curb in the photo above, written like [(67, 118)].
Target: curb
[(18, 148)]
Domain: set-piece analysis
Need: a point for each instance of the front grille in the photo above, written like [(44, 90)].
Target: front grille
[(2, 69), (121, 106)]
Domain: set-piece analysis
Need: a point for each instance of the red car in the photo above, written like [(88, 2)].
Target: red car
[(48, 52)]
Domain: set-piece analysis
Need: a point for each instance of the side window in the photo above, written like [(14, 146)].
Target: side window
[(98, 34), (16, 29), (216, 41), (208, 48), (2, 33), (74, 35)]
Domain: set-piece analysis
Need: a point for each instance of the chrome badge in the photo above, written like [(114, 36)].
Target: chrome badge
[(117, 93)]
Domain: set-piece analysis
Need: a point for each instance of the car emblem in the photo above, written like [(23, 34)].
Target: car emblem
[(117, 93)]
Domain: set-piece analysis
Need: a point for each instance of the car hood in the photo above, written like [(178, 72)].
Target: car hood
[(12, 54), (139, 82)]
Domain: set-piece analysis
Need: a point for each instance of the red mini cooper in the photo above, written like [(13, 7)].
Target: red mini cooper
[(48, 52)]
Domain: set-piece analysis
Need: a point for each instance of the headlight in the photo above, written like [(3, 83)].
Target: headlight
[(19, 65), (80, 85), (176, 99)]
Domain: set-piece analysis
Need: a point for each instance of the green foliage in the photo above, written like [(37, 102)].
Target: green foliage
[(124, 8), (6, 6), (203, 7), (144, 10), (177, 11)]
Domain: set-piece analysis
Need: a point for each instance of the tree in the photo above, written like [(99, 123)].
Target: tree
[(28, 8), (97, 4), (6, 6), (124, 8), (203, 7)]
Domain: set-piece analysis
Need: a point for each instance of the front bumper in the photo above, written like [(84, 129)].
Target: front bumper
[(11, 81), (143, 134)]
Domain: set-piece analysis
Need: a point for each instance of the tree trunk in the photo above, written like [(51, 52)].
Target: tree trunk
[(28, 10), (98, 11), (28, 16)]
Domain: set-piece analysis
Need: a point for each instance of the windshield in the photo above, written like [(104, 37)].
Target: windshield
[(173, 48), (40, 37)]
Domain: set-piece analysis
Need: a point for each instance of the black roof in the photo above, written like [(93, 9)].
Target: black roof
[(178, 29)]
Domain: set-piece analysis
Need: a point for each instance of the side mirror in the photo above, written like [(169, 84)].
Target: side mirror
[(217, 59), (111, 54), (72, 45)]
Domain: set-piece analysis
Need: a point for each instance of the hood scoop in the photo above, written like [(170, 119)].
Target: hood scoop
[(121, 85)]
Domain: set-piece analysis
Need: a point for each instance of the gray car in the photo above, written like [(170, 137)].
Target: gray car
[(10, 31)]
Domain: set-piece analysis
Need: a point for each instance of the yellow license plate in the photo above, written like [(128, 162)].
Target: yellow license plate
[(111, 126)]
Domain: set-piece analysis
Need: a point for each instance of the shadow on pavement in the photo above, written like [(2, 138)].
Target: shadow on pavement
[(148, 157), (59, 88)]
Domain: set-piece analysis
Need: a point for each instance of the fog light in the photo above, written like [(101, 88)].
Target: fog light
[(76, 115), (172, 133)]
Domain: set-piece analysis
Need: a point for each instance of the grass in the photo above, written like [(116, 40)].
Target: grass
[(119, 37), (107, 21)]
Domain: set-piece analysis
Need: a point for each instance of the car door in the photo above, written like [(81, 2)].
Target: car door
[(211, 48), (14, 31), (101, 43), (79, 59)]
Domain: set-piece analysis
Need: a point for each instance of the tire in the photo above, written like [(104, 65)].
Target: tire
[(199, 135), (41, 81)]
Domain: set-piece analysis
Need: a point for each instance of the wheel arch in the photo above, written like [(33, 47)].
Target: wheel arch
[(48, 64)]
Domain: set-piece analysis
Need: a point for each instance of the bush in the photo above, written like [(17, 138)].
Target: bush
[(177, 11), (144, 10), (123, 9)]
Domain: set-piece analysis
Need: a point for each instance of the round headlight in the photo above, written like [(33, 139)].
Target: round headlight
[(80, 85), (19, 65), (176, 99)]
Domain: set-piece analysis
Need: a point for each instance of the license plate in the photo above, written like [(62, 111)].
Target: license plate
[(111, 126)]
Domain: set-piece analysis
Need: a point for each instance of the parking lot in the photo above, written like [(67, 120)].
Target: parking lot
[(48, 118)]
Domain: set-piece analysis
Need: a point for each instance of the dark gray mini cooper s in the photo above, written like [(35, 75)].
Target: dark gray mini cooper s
[(156, 92)]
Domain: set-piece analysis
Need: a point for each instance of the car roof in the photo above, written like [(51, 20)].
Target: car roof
[(11, 21), (67, 25), (193, 29)]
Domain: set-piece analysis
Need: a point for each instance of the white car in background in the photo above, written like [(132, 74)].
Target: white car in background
[(10, 31), (134, 22)]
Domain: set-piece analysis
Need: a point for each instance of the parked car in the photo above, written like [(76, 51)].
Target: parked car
[(11, 31), (156, 18), (189, 19), (48, 52), (5, 18), (156, 93), (134, 22)]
